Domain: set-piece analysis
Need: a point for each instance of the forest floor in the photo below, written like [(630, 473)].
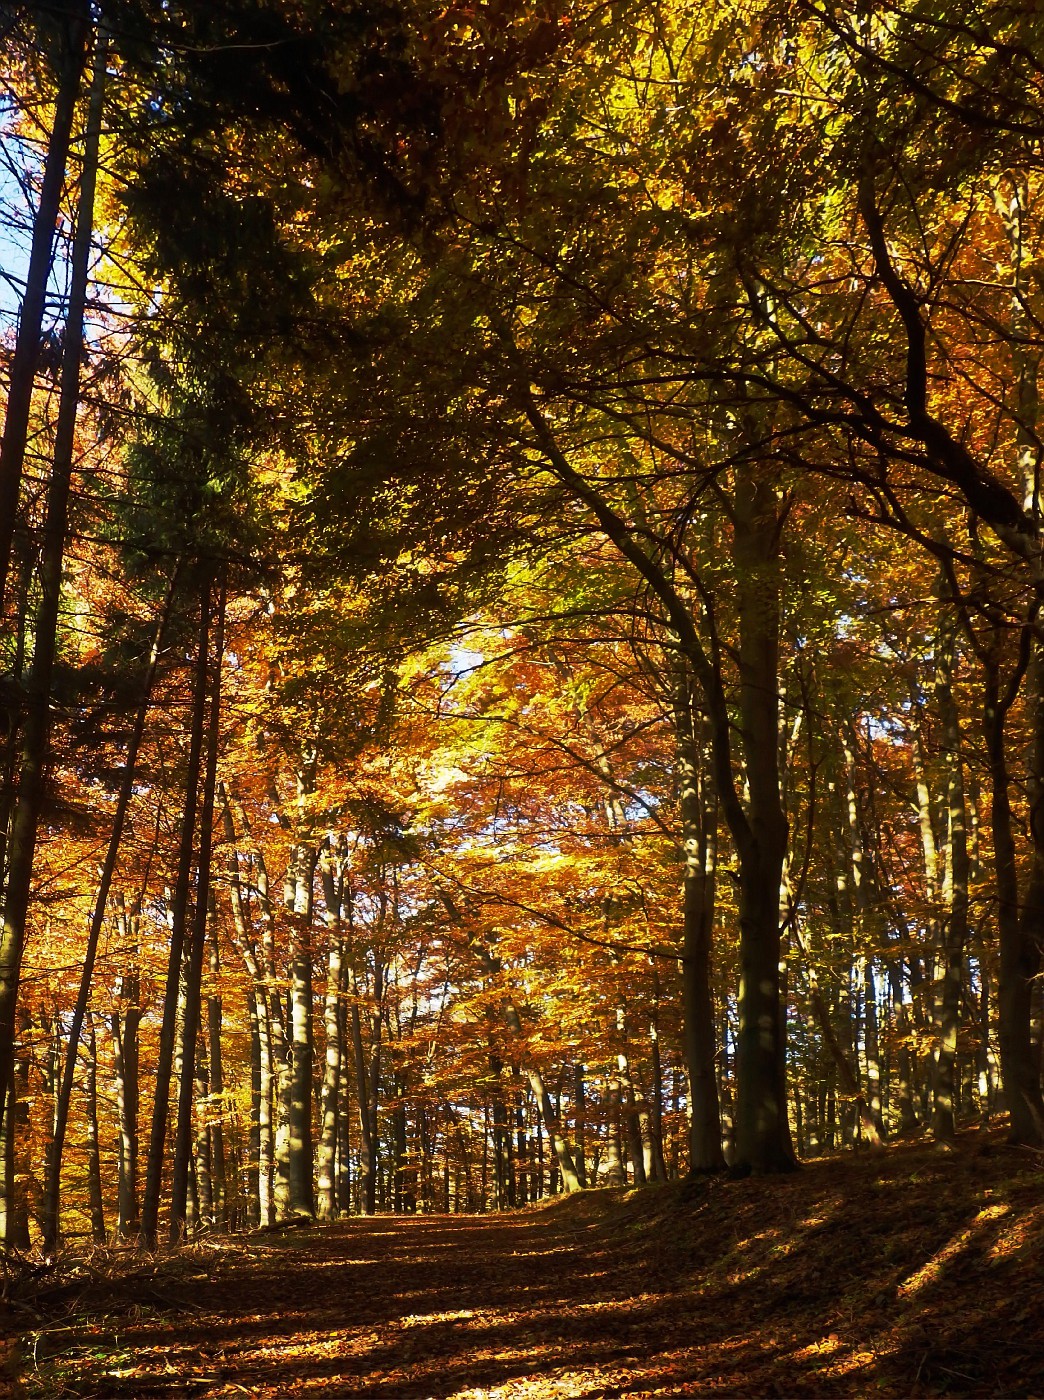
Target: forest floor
[(909, 1272)]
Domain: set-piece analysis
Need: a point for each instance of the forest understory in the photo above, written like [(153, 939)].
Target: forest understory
[(912, 1272)]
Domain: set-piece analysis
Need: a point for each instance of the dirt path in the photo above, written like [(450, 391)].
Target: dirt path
[(904, 1274), (437, 1306)]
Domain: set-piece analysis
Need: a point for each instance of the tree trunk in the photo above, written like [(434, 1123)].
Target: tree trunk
[(22, 372), (255, 1214), (216, 1115), (367, 1147), (762, 1129), (179, 915), (331, 1094), (699, 823), (36, 745), (52, 1188), (198, 941), (298, 899), (90, 1093), (955, 887), (579, 1124)]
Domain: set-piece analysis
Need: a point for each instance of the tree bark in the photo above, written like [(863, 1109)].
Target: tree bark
[(179, 916), (22, 374), (52, 1188), (955, 888), (198, 939), (762, 1130), (36, 746), (698, 822)]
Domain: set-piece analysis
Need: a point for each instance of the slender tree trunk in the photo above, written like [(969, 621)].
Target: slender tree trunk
[(124, 1025), (22, 372), (255, 1215), (200, 1160), (36, 745), (615, 1175), (217, 1083), (955, 892), (298, 899), (300, 1157), (579, 1124), (699, 822), (344, 1137), (90, 1090), (15, 1145), (367, 1153), (198, 941), (52, 1188), (179, 915), (331, 1094), (658, 1166)]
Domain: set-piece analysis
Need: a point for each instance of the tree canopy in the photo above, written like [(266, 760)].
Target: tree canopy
[(522, 663)]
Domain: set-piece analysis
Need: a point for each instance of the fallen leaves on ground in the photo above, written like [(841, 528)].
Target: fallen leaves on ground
[(907, 1273)]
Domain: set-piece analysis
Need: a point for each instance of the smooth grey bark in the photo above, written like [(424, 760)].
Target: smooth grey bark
[(330, 1102)]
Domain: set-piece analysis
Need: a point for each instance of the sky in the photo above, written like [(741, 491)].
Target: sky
[(16, 162)]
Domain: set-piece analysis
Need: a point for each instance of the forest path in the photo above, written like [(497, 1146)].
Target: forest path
[(908, 1273), (463, 1306)]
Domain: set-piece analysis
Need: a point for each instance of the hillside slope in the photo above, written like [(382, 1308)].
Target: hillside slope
[(907, 1273)]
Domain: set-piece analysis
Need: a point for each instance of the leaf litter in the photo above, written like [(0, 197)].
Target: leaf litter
[(903, 1273)]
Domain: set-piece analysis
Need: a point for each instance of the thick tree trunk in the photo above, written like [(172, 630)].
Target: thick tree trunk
[(762, 1129), (1020, 928)]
